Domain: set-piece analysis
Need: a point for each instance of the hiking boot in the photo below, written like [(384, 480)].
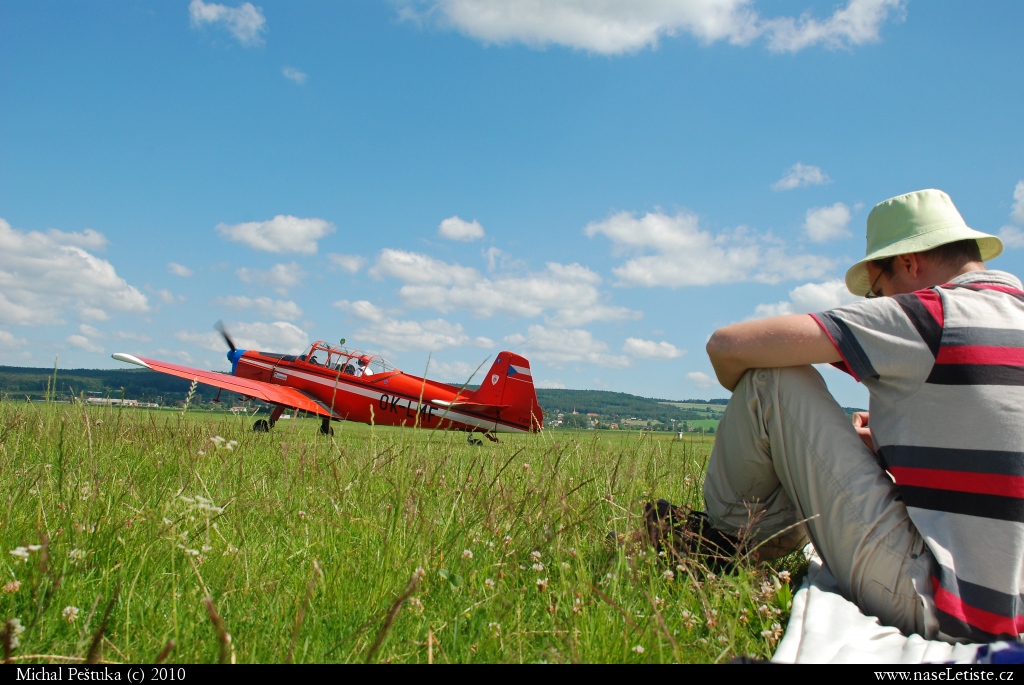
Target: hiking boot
[(682, 533)]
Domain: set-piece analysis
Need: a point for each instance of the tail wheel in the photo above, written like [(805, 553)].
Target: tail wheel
[(261, 426), (474, 441), (325, 427)]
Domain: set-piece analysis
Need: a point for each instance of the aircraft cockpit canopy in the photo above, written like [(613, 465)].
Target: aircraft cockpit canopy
[(349, 362)]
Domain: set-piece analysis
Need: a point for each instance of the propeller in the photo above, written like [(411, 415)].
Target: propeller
[(224, 332)]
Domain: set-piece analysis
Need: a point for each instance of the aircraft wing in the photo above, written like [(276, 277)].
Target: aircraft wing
[(491, 410), (274, 394)]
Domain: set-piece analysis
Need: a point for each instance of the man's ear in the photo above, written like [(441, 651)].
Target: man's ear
[(909, 264)]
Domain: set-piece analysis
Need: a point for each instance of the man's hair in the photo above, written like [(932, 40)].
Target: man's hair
[(953, 255)]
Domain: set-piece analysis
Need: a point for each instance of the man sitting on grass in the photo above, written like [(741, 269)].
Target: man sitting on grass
[(917, 508)]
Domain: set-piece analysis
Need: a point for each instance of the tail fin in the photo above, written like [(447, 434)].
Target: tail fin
[(510, 383)]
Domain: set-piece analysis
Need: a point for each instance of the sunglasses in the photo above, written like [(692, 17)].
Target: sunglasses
[(871, 294)]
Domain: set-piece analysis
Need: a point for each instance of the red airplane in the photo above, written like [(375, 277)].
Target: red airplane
[(340, 384)]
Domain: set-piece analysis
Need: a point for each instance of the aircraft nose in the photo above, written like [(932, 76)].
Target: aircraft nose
[(233, 357)]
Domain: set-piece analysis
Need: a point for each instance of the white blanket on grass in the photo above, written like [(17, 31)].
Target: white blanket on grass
[(826, 628)]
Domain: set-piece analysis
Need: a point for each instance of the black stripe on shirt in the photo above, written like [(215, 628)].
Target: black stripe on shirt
[(954, 627), (984, 598), (976, 336), (976, 374), (927, 327), (999, 462), (850, 349), (998, 507)]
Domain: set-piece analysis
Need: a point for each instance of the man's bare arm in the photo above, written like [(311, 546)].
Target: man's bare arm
[(792, 340)]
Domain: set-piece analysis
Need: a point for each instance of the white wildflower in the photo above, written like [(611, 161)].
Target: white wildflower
[(784, 576), (70, 614), (21, 553), (534, 555), (467, 554), (489, 584), (538, 567), (542, 584), (77, 555), (639, 649), (12, 587), (668, 575)]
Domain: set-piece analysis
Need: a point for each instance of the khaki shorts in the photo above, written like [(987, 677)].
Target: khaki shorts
[(787, 466)]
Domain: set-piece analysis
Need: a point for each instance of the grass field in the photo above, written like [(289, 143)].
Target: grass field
[(131, 536)]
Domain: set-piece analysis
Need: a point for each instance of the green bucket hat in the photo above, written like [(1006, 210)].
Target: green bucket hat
[(915, 222)]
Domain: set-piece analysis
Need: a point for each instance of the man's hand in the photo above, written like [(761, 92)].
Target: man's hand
[(793, 340), (860, 424)]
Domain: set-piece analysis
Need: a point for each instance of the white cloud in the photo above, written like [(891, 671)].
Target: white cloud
[(1012, 236), (856, 24), (613, 27), (293, 74), (559, 346), (245, 22), (809, 298), (685, 255), (167, 297), (800, 176), (1018, 204), (279, 336), (9, 340), (92, 314), (281, 277), (347, 262), (549, 385), (89, 331), (395, 334), (567, 293), (413, 267), (179, 270), (827, 223), (132, 335), (456, 373), (87, 239), (43, 275), (280, 234), (83, 343), (648, 349), (454, 228), (270, 308), (700, 379)]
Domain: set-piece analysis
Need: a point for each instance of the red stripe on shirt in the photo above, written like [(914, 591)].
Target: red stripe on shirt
[(994, 624), (932, 301), (981, 354), (960, 481)]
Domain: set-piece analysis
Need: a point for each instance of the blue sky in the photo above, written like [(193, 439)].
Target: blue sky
[(599, 183)]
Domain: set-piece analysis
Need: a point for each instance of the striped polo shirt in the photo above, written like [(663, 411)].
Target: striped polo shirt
[(945, 370)]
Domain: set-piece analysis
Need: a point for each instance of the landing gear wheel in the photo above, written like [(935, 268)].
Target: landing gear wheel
[(474, 441), (261, 426), (325, 427)]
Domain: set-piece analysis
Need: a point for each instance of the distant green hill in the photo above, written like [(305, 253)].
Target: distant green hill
[(138, 384), (147, 386), (616, 406)]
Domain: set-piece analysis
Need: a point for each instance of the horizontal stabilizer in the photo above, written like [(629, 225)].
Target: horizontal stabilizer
[(491, 410), (274, 394)]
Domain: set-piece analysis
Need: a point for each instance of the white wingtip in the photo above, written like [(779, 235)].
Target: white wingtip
[(122, 357)]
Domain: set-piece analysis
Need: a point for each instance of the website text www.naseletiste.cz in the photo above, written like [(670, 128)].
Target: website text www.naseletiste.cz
[(947, 674)]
